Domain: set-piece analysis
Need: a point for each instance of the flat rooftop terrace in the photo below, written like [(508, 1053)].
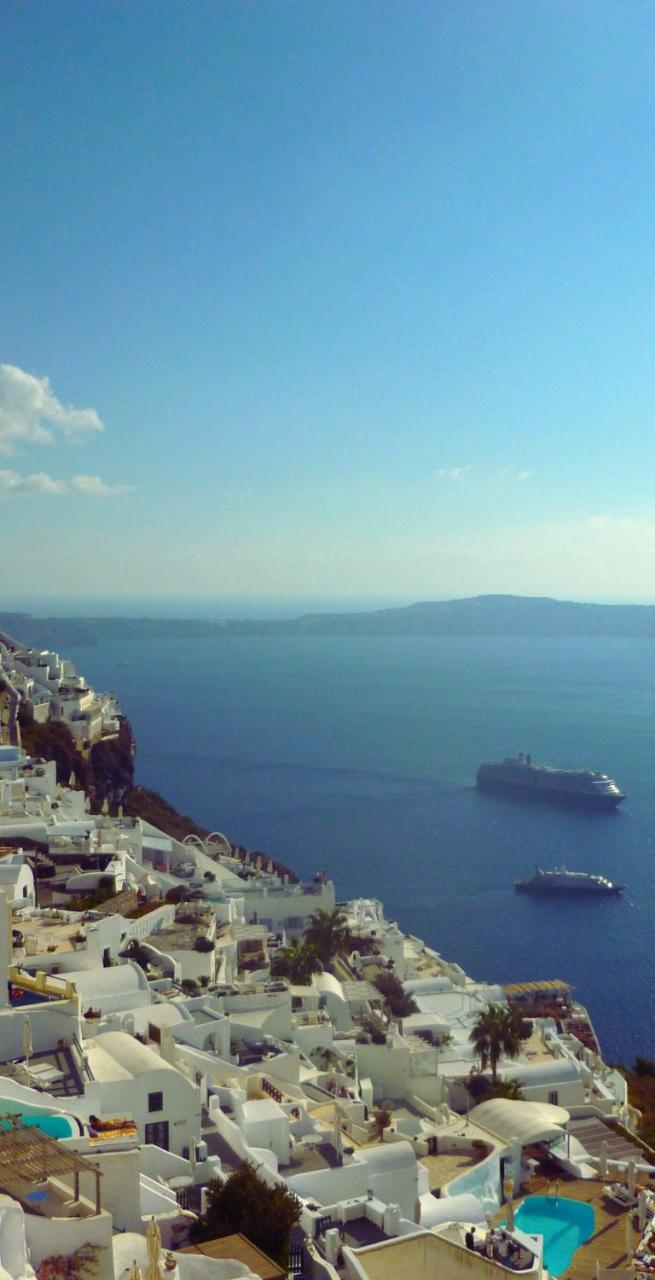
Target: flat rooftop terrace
[(321, 1155), (50, 934)]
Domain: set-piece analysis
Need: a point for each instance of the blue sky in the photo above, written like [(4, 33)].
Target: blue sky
[(350, 298)]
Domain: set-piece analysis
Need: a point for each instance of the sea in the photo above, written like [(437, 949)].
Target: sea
[(358, 755)]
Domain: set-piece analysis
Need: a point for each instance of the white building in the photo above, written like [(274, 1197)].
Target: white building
[(130, 1077)]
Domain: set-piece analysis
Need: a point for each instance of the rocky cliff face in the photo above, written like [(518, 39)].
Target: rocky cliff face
[(105, 773), (8, 712)]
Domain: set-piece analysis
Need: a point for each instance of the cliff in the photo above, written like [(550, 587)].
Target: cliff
[(106, 773)]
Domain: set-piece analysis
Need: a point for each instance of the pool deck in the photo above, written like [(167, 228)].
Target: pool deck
[(608, 1243)]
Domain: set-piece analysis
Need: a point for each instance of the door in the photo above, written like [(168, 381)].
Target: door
[(157, 1134)]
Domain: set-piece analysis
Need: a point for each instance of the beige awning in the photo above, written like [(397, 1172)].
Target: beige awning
[(549, 986)]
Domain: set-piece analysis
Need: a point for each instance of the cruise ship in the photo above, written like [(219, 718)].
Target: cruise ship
[(520, 776), (561, 880)]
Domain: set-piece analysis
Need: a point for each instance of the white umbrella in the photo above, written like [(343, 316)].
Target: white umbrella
[(338, 1138), (27, 1040), (643, 1209), (632, 1177), (602, 1160), (153, 1243), (192, 1157), (510, 1214)]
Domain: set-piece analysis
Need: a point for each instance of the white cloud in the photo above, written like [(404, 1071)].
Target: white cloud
[(621, 524), (31, 414), (454, 473), (12, 484), (94, 487), (461, 473)]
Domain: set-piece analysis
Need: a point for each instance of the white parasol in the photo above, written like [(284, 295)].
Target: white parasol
[(153, 1243), (602, 1160), (28, 1047), (338, 1137), (631, 1173), (628, 1235), (643, 1209)]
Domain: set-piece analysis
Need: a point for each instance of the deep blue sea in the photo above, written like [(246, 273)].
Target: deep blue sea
[(358, 755)]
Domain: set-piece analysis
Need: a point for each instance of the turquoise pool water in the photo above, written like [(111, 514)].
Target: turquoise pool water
[(564, 1224), (54, 1126)]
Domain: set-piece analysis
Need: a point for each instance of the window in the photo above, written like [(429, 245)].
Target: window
[(553, 1097), (155, 1102)]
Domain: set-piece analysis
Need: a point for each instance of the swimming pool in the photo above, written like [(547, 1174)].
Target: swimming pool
[(53, 1125), (564, 1224)]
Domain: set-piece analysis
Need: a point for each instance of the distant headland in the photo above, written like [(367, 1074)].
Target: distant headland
[(487, 615)]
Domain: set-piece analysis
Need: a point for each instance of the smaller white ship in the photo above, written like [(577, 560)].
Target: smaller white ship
[(561, 880)]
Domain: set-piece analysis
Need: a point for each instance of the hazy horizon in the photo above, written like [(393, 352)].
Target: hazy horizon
[(244, 607)]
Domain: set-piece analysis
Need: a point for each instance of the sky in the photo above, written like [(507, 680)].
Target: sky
[(327, 299)]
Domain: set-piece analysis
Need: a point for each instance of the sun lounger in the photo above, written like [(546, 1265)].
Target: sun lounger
[(620, 1195), (45, 1074)]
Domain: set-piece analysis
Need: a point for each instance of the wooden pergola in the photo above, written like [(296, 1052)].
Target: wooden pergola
[(28, 1156)]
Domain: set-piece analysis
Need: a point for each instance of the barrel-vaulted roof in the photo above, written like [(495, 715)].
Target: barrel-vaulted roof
[(525, 1122)]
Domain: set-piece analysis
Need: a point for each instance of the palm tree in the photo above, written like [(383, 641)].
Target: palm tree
[(328, 933), (400, 1005), (508, 1089), (497, 1031), (297, 961)]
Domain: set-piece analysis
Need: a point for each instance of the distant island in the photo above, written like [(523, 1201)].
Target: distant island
[(488, 615)]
